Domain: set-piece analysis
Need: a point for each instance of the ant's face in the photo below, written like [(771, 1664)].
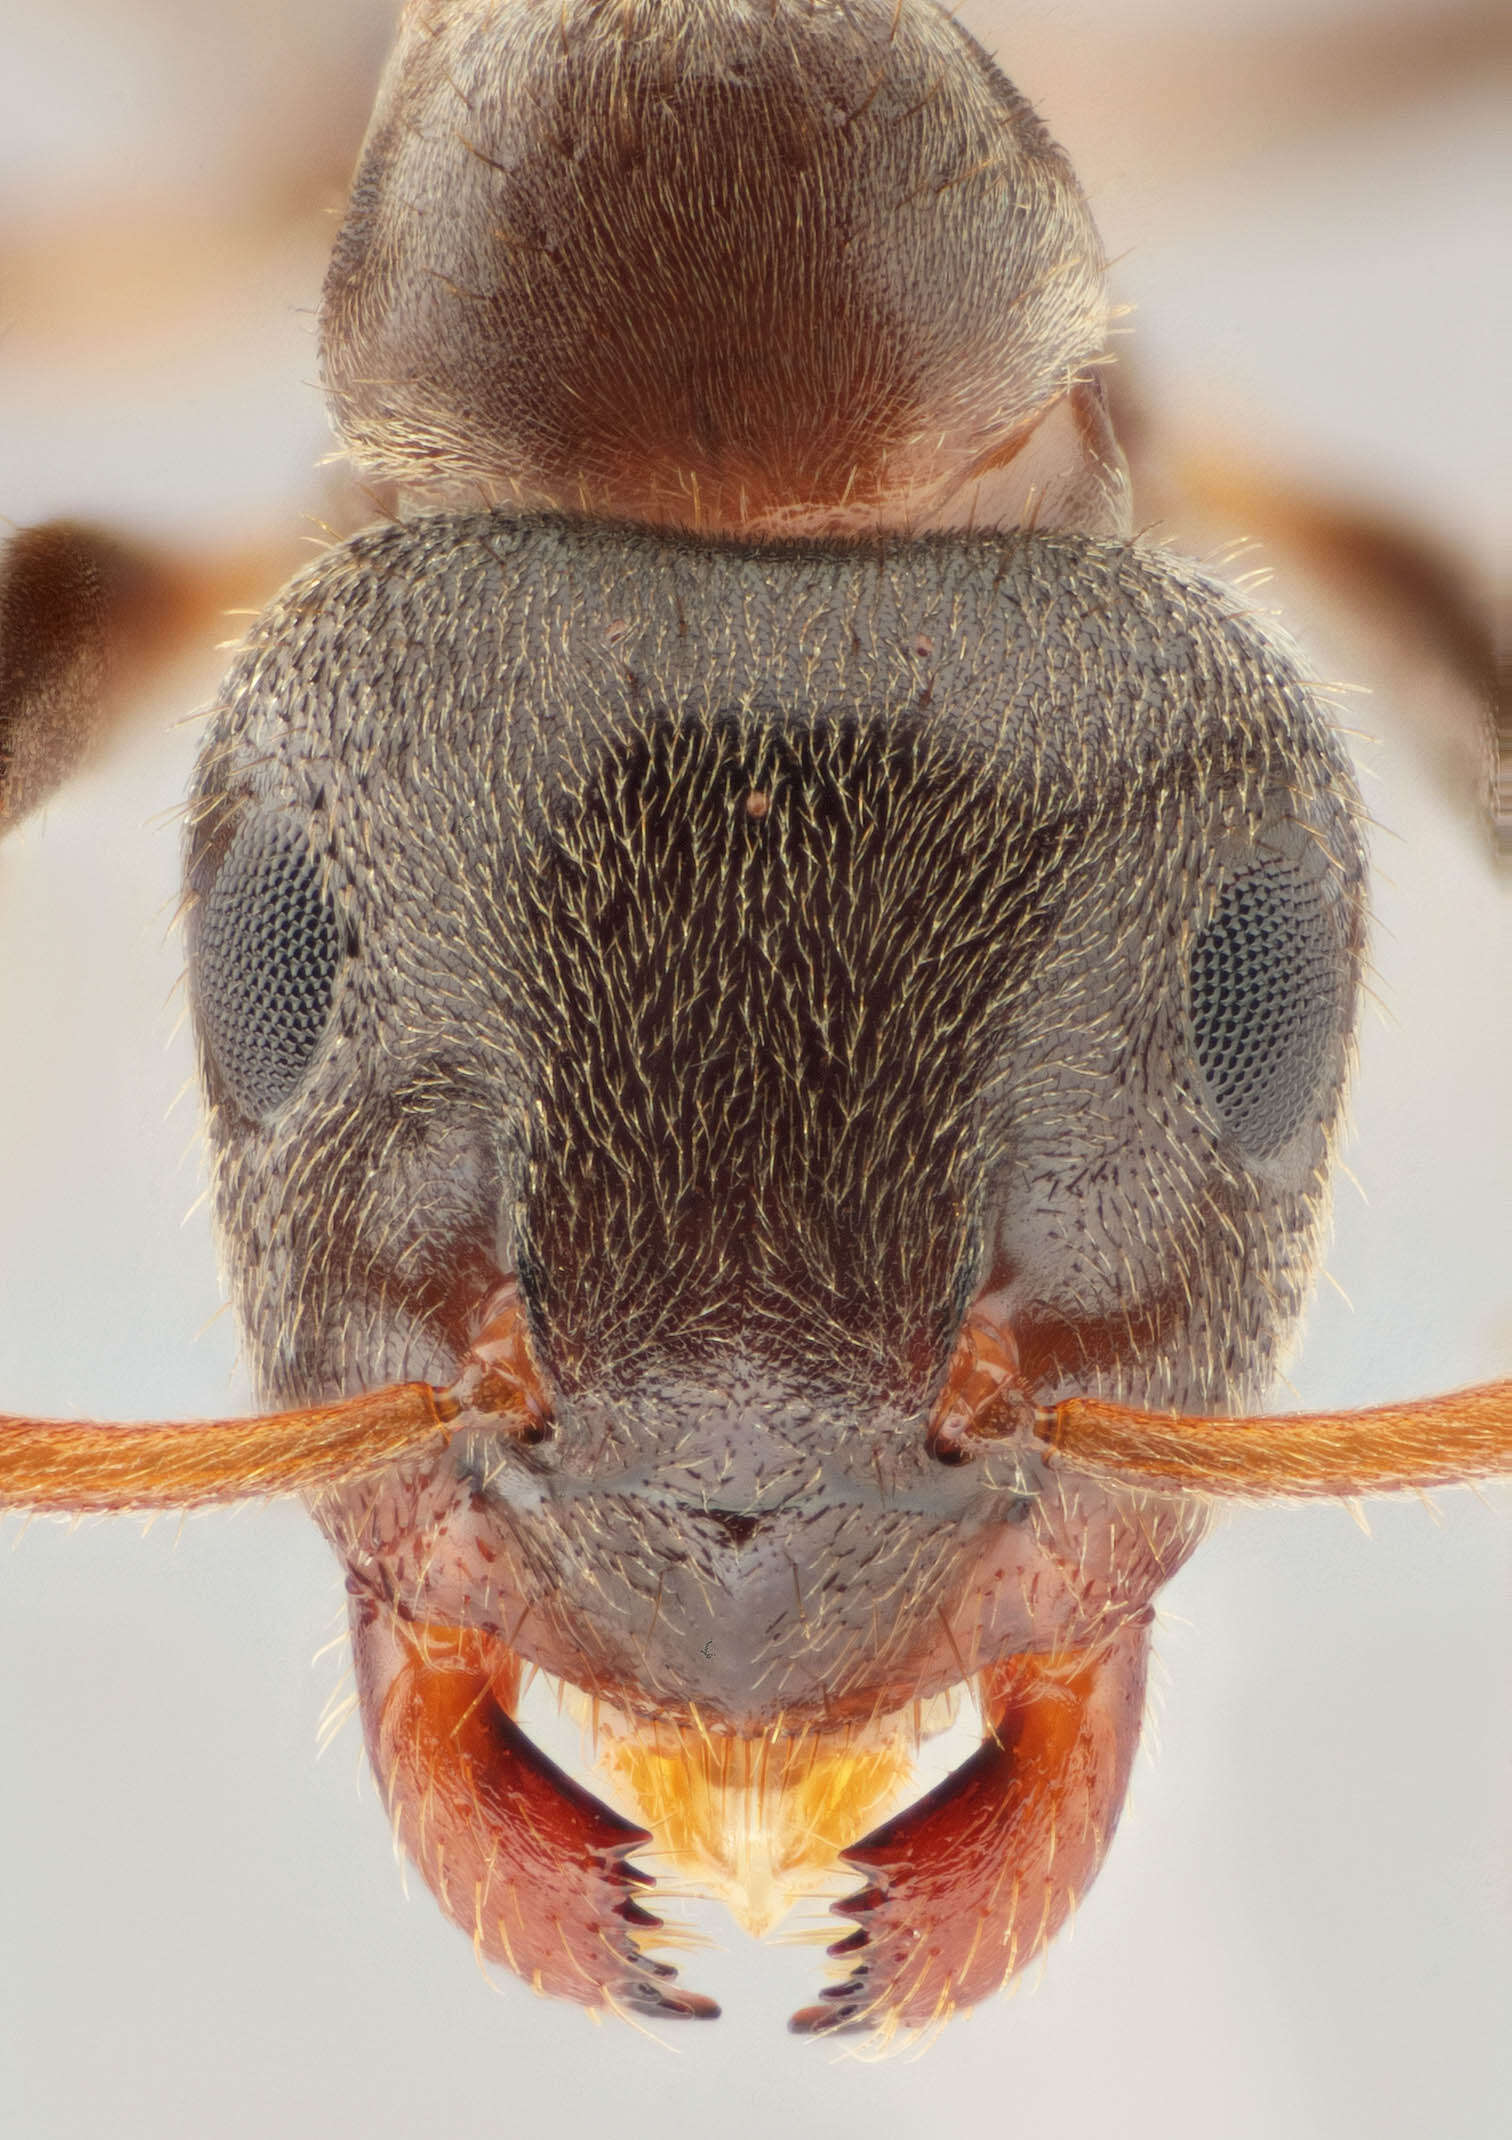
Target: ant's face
[(493, 1189), (1026, 980)]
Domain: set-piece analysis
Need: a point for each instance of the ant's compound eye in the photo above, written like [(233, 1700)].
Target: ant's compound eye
[(267, 947), (1265, 993)]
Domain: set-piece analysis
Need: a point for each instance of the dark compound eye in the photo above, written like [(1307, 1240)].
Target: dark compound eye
[(266, 952), (1266, 983)]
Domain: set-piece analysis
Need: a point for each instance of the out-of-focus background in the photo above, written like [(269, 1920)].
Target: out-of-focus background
[(1302, 1930)]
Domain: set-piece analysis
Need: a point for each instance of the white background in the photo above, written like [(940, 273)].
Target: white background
[(1301, 1930)]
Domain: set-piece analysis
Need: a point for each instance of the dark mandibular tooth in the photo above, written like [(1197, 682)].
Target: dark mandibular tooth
[(864, 1899), (646, 1998), (621, 1871), (826, 2021)]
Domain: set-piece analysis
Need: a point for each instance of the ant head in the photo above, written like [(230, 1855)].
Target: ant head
[(730, 941)]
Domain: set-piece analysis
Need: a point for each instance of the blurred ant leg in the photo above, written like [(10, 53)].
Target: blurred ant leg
[(528, 1863), (968, 1885), (80, 614), (85, 619), (1396, 603), (1378, 600)]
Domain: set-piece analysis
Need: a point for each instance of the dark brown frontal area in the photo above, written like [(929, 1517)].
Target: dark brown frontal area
[(769, 969)]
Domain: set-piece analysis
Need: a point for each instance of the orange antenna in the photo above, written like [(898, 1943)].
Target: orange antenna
[(83, 1467), (1433, 1441)]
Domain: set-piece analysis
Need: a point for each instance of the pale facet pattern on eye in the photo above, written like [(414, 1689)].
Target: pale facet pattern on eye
[(267, 950), (1265, 1001)]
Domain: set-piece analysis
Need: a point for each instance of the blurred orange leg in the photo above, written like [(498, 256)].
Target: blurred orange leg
[(969, 1884), (530, 1865)]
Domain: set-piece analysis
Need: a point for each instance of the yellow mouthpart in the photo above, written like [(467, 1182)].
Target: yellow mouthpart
[(759, 1823)]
